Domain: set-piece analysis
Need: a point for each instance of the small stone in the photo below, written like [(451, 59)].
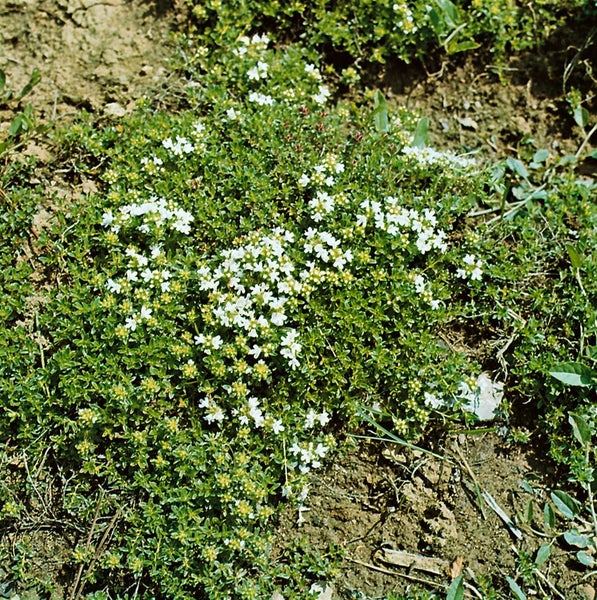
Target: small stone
[(114, 109), (586, 592)]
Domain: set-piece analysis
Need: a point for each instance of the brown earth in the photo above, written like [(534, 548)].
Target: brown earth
[(101, 56)]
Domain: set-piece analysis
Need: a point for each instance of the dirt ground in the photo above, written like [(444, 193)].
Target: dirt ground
[(382, 504), (406, 518)]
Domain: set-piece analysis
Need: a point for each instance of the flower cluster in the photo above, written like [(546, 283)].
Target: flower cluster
[(472, 269), (148, 275), (398, 221), (426, 156), (155, 213)]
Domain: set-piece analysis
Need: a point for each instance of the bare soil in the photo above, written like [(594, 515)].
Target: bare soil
[(101, 56)]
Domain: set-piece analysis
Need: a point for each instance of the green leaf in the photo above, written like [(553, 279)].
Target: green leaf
[(574, 539), (580, 428), (516, 589), (542, 554), (567, 505), (575, 256), (2, 80), (454, 48), (581, 116), (33, 81), (450, 13), (541, 156), (16, 127), (421, 133), (456, 589), (593, 154), (549, 517), (380, 114), (517, 167), (585, 559), (529, 512), (572, 373)]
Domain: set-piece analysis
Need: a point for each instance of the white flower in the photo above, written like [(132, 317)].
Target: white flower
[(107, 218), (278, 318), (304, 180), (113, 286), (323, 418), (145, 312), (310, 419), (261, 99), (277, 426), (323, 94), (313, 71), (259, 71), (130, 323)]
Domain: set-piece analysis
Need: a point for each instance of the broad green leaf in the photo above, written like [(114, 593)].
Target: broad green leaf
[(549, 517), (16, 127), (435, 21), (585, 559), (574, 539), (454, 47), (420, 138), (456, 589), (33, 81), (450, 13), (517, 167), (580, 428), (541, 156), (575, 256), (529, 512), (581, 116), (380, 115), (516, 589), (542, 554), (572, 373), (567, 505)]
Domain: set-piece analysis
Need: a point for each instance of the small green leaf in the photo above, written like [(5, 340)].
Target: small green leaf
[(456, 589), (542, 554), (574, 539), (2, 80), (16, 127), (421, 133), (541, 156), (516, 589), (585, 559), (454, 48), (380, 114), (580, 428), (581, 116), (575, 256), (593, 154), (572, 373), (517, 167), (549, 517), (529, 512), (567, 505), (33, 81)]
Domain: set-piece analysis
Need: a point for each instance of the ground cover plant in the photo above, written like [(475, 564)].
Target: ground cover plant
[(259, 273), (377, 31)]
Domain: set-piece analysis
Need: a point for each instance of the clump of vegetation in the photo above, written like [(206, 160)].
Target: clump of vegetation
[(376, 31)]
